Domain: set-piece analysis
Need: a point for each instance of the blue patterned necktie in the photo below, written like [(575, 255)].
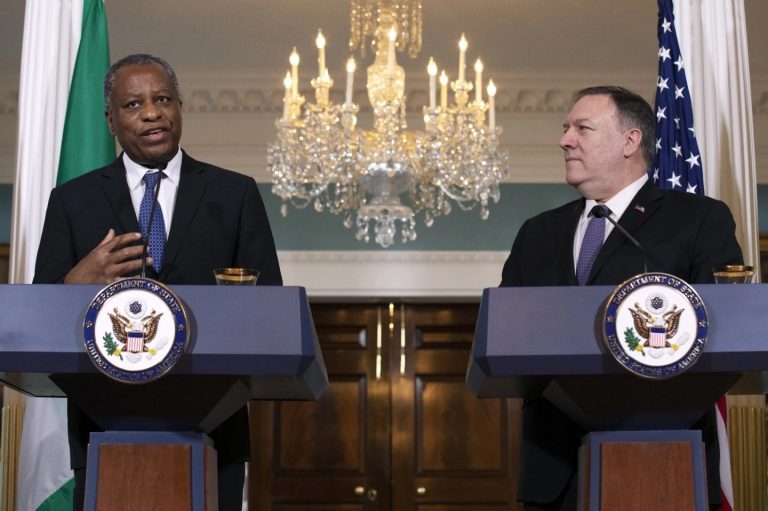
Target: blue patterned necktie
[(590, 245), (155, 234)]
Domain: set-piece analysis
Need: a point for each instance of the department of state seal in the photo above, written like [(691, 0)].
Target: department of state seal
[(655, 325), (135, 330)]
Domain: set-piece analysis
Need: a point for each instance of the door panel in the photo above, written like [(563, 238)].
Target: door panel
[(397, 429), (466, 507), (327, 437), (332, 454), (319, 507), (457, 432), (450, 450)]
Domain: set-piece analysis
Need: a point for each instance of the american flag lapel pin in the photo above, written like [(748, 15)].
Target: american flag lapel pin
[(639, 208)]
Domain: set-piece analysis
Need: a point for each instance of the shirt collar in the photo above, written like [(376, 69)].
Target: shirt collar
[(619, 202), (134, 172)]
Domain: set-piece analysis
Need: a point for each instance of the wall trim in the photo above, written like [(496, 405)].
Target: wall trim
[(248, 93), (392, 274)]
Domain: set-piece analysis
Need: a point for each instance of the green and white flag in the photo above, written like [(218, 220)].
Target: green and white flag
[(87, 143), (62, 134)]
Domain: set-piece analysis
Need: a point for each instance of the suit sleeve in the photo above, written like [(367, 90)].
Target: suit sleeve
[(255, 245), (511, 275), (715, 243), (56, 254)]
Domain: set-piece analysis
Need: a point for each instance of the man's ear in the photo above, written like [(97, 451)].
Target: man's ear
[(632, 140), (108, 115)]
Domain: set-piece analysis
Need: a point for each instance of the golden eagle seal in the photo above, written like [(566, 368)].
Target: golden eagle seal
[(656, 329), (135, 334)]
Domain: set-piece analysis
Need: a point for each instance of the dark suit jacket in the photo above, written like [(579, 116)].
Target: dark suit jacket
[(218, 221), (682, 234)]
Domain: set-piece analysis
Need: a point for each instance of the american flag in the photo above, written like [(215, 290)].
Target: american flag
[(658, 337), (677, 164)]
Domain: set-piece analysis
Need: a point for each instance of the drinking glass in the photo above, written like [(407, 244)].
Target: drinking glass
[(733, 274), (236, 276)]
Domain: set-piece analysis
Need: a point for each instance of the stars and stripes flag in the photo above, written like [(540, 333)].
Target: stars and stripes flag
[(678, 166), (658, 337)]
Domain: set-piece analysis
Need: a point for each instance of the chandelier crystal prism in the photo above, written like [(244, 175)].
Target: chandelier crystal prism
[(379, 179)]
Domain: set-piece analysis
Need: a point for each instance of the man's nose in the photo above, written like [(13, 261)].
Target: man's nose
[(566, 141), (150, 111)]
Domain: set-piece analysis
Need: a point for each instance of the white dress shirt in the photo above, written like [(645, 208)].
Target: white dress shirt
[(166, 198), (617, 204)]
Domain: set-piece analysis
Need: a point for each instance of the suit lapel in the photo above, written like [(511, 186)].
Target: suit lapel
[(566, 230), (115, 187), (642, 207), (192, 184)]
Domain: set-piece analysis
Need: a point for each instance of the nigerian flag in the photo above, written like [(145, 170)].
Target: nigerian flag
[(86, 143), (62, 134)]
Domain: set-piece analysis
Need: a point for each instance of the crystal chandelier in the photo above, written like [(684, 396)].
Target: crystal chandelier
[(380, 178)]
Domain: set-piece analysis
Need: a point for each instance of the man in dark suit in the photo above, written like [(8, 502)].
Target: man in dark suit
[(608, 146), (210, 217)]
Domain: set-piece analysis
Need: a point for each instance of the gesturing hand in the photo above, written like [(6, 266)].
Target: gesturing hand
[(113, 258)]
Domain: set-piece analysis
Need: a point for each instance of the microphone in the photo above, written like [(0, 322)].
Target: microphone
[(599, 212), (161, 166)]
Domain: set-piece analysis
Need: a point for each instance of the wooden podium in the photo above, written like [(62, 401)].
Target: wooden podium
[(547, 341), (246, 343)]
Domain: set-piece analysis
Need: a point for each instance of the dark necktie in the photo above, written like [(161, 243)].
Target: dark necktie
[(590, 246), (154, 235)]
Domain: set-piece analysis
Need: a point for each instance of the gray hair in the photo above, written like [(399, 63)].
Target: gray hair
[(136, 58), (634, 112)]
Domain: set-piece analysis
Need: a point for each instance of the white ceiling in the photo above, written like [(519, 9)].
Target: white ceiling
[(513, 36)]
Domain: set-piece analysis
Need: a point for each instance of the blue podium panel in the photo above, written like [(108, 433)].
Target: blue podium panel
[(548, 341), (246, 343)]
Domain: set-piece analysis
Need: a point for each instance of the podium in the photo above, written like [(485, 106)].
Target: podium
[(547, 341), (246, 343)]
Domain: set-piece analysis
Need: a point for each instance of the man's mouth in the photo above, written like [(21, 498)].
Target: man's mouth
[(154, 134), (570, 157)]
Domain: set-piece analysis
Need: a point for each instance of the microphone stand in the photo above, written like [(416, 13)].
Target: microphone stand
[(161, 165), (599, 212)]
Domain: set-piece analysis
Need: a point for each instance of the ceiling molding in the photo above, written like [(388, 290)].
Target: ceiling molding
[(229, 120), (244, 93)]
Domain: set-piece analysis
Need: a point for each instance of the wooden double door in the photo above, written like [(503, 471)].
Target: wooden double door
[(397, 429)]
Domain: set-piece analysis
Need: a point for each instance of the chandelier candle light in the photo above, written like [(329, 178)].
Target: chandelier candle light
[(386, 175)]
